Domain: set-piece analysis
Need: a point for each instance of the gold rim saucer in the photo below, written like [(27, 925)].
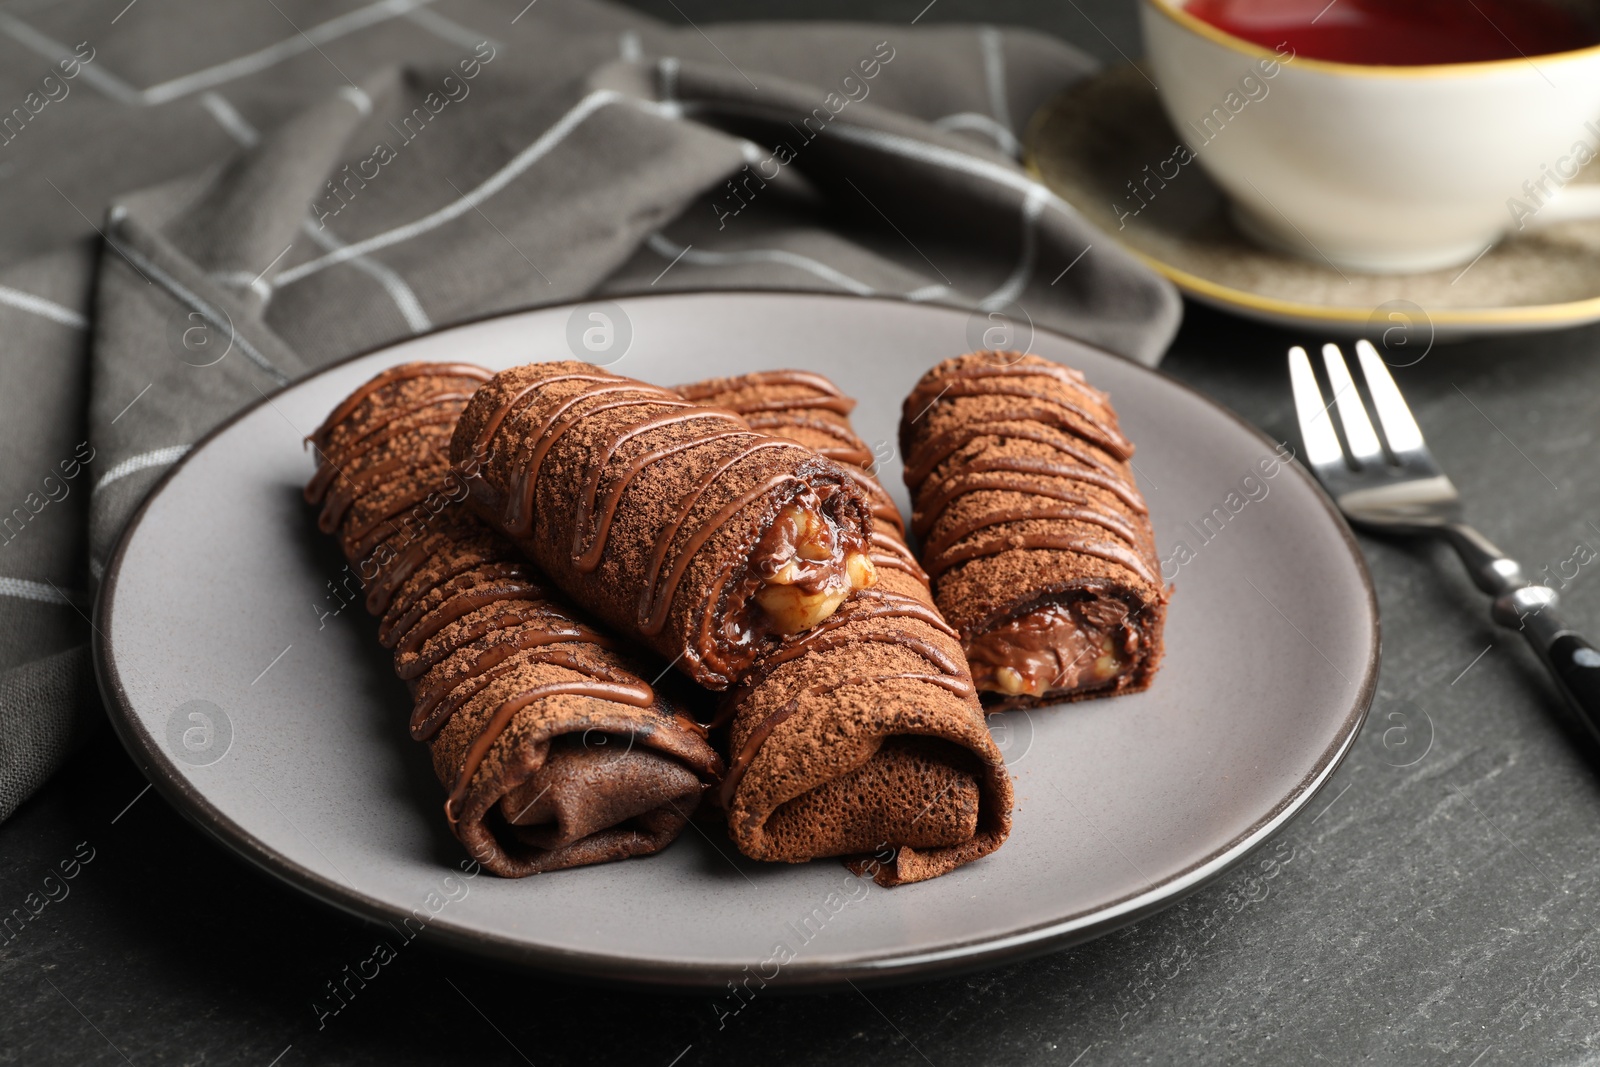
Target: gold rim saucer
[(1105, 145)]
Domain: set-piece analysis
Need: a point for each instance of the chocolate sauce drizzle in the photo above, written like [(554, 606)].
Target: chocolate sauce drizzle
[(948, 672), (1049, 419), (425, 626), (747, 753), (968, 382), (867, 604), (779, 415), (597, 510)]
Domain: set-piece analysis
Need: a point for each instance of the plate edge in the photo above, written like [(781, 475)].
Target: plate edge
[(953, 959)]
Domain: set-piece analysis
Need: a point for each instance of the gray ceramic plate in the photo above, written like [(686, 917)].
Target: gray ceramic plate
[(282, 732)]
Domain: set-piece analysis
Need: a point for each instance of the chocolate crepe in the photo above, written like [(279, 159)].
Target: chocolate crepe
[(866, 735), (1035, 536), (807, 407), (554, 749), (677, 525)]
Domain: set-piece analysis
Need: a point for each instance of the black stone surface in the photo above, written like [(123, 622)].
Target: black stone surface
[(1431, 907)]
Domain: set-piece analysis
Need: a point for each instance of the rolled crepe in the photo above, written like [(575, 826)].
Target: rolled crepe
[(865, 736), (1033, 532), (555, 751), (677, 525), (808, 407)]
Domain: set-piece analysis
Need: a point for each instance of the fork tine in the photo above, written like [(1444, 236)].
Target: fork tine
[(1399, 428), (1358, 429), (1316, 429)]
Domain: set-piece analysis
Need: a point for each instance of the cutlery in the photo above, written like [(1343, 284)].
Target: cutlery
[(1394, 486)]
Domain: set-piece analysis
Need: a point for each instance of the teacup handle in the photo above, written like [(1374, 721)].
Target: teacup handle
[(1576, 203)]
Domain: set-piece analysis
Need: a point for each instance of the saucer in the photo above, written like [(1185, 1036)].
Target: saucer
[(1093, 143)]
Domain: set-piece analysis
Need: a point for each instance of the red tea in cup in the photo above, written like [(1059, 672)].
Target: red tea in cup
[(1402, 32)]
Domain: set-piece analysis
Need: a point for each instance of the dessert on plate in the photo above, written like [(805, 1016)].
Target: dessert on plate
[(863, 735), (1032, 529), (555, 750), (678, 525)]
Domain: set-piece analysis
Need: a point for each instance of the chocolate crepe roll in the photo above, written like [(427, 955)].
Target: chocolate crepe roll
[(1033, 532), (866, 734), (677, 525), (807, 407), (555, 751)]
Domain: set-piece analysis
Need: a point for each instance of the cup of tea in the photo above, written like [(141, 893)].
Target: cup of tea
[(1384, 135)]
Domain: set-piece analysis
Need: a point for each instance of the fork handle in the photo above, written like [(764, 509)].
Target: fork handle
[(1573, 662)]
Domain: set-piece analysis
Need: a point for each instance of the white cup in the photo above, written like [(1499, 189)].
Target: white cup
[(1380, 169)]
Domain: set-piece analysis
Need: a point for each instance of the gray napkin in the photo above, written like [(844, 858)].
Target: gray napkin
[(205, 202)]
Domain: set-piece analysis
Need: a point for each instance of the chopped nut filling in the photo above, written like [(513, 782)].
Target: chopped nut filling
[(808, 565), (1056, 649)]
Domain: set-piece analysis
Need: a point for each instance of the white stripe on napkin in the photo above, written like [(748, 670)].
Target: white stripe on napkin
[(48, 309), (159, 457)]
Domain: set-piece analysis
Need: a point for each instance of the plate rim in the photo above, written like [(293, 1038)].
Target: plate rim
[(614, 969)]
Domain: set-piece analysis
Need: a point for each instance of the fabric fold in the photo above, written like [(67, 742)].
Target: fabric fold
[(245, 168)]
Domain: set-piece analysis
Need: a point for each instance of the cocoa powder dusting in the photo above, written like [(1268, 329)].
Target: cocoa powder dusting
[(1029, 514), (647, 508), (512, 691), (862, 737)]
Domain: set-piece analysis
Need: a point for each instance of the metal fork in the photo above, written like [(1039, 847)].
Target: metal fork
[(1395, 487)]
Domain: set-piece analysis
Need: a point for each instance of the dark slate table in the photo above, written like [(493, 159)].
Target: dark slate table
[(1434, 907)]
